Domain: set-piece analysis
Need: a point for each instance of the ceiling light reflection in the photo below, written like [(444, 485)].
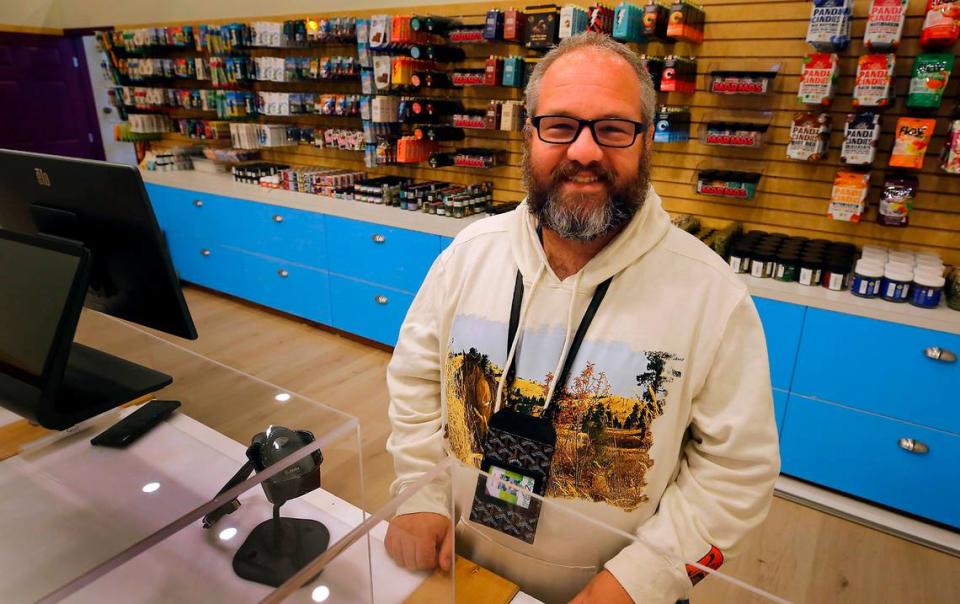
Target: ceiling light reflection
[(282, 397), (227, 534), (321, 593), (150, 487)]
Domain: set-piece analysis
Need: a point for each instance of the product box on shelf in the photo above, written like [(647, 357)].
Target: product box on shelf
[(542, 26)]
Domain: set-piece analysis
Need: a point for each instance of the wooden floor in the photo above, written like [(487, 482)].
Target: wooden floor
[(799, 554)]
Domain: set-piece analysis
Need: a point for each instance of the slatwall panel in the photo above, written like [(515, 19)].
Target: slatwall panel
[(793, 196)]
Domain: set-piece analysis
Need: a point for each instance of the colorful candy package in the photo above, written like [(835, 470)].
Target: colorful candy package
[(818, 78), (860, 135), (809, 136), (885, 24), (849, 195), (929, 80), (896, 200), (950, 156), (941, 25), (912, 139), (874, 81), (829, 27)]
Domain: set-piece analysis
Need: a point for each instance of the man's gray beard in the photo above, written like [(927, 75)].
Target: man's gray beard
[(571, 218)]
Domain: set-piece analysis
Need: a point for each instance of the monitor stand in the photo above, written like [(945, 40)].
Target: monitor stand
[(94, 382)]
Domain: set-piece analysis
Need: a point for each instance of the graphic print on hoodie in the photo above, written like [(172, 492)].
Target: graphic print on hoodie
[(603, 417)]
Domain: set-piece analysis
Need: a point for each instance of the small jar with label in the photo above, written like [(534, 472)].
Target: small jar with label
[(761, 265), (811, 269), (739, 259), (927, 288), (787, 267), (835, 273), (895, 286), (867, 276)]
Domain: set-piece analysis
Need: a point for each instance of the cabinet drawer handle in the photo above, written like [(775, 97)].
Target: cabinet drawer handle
[(381, 299), (940, 354), (204, 253), (277, 218), (379, 238), (913, 446), (284, 273), (198, 203)]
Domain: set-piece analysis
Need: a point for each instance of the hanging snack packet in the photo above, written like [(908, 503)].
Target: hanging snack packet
[(912, 139), (849, 196), (874, 80), (885, 25), (896, 200), (829, 28), (941, 23), (929, 80), (950, 156), (818, 78), (809, 136), (860, 135)]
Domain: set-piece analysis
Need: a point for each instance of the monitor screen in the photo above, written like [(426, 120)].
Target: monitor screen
[(35, 287)]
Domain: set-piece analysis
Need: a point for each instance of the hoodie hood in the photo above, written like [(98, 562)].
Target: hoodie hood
[(641, 234)]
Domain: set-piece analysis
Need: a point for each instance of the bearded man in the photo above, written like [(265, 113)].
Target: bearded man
[(583, 348)]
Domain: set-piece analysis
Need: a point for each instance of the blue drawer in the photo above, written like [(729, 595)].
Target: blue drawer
[(860, 454), (879, 367), (291, 288), (275, 231), (782, 323), (368, 310), (397, 258), (209, 265), (780, 407)]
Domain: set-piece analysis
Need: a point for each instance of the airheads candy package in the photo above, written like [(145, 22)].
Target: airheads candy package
[(818, 78), (950, 156), (849, 196), (829, 28), (885, 25), (896, 200), (941, 23), (874, 81), (929, 80), (912, 139), (860, 135), (809, 136)]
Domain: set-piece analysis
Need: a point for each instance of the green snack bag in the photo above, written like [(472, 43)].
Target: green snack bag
[(929, 80)]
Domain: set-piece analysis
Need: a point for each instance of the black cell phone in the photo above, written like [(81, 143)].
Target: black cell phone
[(135, 425)]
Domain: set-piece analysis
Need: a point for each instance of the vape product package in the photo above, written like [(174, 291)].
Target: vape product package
[(896, 200), (860, 135), (912, 137), (671, 124), (542, 26), (818, 79), (513, 25), (829, 27), (874, 83), (809, 136), (573, 21), (849, 195), (628, 23), (686, 21), (885, 25), (929, 80), (656, 18)]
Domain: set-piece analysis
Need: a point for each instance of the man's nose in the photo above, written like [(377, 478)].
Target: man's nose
[(584, 149)]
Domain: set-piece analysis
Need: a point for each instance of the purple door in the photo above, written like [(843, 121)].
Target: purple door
[(46, 104)]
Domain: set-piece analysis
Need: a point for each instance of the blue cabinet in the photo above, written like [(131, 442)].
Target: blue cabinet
[(868, 456), (879, 367), (396, 258), (205, 263), (371, 311), (780, 407), (782, 324), (445, 242), (288, 287)]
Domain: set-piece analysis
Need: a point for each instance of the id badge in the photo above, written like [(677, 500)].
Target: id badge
[(518, 450)]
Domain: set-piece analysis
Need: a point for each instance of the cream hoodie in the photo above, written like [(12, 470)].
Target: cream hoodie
[(665, 428)]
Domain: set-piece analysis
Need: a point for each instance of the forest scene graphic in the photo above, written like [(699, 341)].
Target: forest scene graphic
[(604, 434)]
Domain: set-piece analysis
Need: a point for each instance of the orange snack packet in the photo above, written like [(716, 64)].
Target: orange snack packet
[(912, 139)]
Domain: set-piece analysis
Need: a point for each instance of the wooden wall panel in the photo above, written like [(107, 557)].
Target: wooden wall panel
[(793, 195)]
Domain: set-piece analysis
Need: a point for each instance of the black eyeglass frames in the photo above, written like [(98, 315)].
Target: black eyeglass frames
[(607, 132)]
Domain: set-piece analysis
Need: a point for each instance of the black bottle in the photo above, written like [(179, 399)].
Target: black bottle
[(438, 53)]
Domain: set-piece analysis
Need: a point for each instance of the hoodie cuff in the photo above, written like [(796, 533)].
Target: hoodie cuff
[(648, 577), (431, 498)]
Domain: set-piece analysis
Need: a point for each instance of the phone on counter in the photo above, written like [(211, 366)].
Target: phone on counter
[(135, 425)]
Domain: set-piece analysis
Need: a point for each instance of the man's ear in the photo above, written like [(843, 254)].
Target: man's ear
[(527, 129)]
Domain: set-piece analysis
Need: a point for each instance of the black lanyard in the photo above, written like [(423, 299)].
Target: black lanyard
[(561, 379)]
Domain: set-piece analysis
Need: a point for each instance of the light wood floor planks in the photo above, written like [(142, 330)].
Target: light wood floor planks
[(800, 554)]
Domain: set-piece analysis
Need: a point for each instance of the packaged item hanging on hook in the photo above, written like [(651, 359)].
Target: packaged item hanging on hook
[(829, 27), (860, 135), (912, 138), (941, 24), (809, 136), (896, 199), (885, 24), (818, 79), (929, 80), (950, 156), (874, 83), (849, 195)]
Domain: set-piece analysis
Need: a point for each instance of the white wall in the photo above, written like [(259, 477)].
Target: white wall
[(88, 13)]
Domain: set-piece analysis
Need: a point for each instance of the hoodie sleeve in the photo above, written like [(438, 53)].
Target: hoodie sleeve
[(416, 414), (726, 475)]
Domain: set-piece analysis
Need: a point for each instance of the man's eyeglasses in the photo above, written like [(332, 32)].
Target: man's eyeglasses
[(607, 132)]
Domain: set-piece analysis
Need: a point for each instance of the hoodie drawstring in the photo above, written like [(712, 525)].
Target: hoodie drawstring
[(516, 338), (565, 350)]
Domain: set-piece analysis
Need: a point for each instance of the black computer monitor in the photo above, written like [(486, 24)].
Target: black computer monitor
[(105, 209)]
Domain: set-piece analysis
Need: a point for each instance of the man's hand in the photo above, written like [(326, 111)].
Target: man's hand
[(420, 541), (603, 588)]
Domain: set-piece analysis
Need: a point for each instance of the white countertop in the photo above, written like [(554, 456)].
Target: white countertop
[(941, 319)]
